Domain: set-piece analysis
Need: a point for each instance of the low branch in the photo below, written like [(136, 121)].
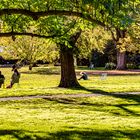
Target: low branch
[(8, 34), (37, 15)]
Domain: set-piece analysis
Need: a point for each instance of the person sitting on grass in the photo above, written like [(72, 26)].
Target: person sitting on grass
[(84, 76), (2, 79), (14, 79)]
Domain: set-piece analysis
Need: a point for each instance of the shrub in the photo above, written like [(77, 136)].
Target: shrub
[(132, 66), (110, 66)]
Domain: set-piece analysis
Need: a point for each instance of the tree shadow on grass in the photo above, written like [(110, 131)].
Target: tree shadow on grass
[(100, 107), (70, 133), (125, 107), (20, 135), (126, 96), (94, 91), (43, 71), (94, 134)]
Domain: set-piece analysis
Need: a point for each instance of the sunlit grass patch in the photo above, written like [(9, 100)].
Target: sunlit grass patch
[(42, 81)]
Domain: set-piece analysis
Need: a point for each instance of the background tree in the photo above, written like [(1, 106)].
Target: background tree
[(117, 16), (92, 40), (29, 50)]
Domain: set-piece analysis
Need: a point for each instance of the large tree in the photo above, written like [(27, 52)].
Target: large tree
[(117, 16), (70, 28)]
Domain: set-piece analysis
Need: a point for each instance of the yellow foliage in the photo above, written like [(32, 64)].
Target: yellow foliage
[(126, 44)]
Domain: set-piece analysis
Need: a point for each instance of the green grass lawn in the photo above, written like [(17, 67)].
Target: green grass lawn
[(100, 117), (45, 81), (94, 118)]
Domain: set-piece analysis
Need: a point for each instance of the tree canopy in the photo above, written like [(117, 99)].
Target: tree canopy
[(29, 49), (19, 15)]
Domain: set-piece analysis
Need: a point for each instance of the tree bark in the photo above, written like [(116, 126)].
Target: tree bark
[(121, 56), (121, 60), (68, 75)]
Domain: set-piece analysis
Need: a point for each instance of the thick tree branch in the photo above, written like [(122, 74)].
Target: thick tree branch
[(37, 15), (8, 34), (113, 35), (75, 37), (18, 11)]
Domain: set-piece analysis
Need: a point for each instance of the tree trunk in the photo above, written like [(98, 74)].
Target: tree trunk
[(68, 75), (30, 67), (75, 62), (121, 56), (121, 60)]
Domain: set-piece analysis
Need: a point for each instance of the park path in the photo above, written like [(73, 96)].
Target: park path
[(64, 96)]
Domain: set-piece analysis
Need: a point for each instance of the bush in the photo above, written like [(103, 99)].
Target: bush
[(110, 66), (132, 66)]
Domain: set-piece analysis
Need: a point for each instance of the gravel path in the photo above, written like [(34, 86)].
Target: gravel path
[(65, 96)]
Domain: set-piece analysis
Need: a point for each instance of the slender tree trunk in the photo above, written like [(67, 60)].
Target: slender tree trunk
[(30, 67), (68, 75), (121, 60)]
